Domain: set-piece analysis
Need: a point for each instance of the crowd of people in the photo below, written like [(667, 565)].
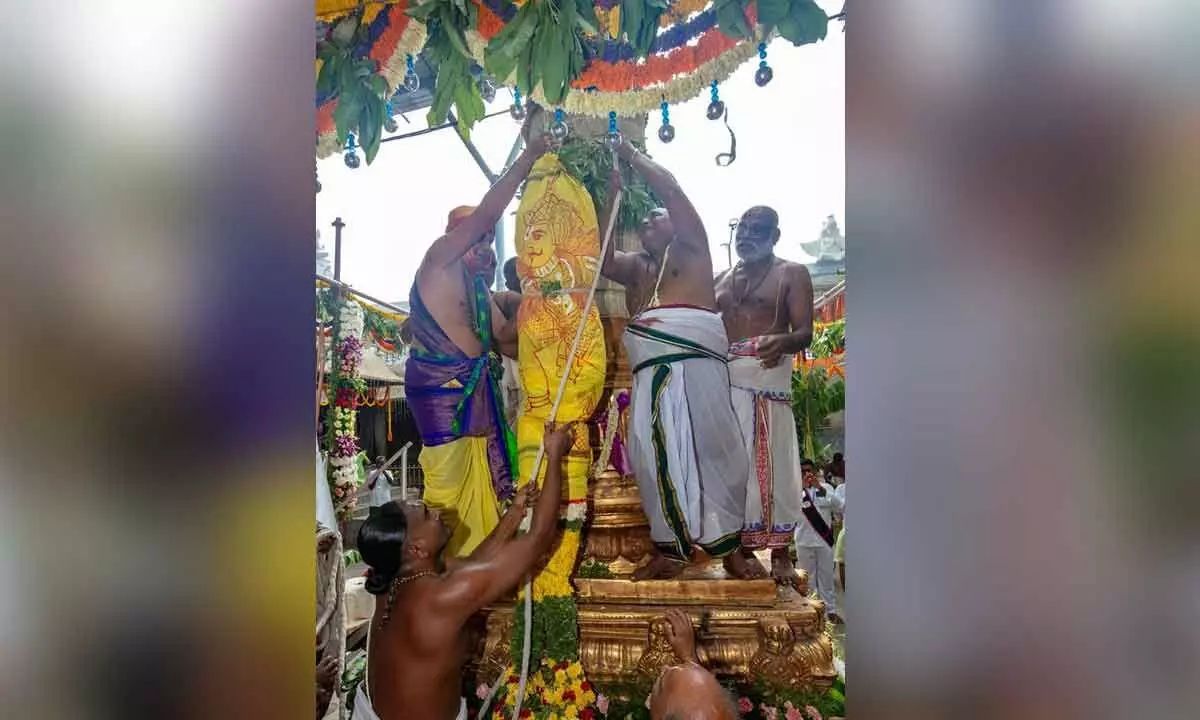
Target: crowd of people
[(712, 442)]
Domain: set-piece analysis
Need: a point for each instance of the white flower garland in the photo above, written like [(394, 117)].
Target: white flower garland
[(577, 511), (343, 476)]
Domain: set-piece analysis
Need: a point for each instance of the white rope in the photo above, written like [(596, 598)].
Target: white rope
[(537, 461)]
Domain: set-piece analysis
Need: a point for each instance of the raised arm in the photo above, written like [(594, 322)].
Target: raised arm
[(617, 266), (478, 584), (511, 520), (451, 246), (688, 226)]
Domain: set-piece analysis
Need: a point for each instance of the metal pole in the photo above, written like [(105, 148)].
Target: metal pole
[(470, 146), (518, 145), (733, 223), (346, 288), (337, 249)]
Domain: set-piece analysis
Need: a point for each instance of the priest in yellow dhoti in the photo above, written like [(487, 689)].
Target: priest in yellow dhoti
[(468, 449)]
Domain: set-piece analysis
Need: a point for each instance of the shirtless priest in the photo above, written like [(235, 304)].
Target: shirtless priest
[(767, 306), (467, 447), (418, 643), (691, 468)]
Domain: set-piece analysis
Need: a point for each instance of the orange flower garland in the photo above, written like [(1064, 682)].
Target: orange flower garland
[(398, 21), (656, 69), (489, 22)]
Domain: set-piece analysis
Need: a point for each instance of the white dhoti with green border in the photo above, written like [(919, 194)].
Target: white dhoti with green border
[(684, 443)]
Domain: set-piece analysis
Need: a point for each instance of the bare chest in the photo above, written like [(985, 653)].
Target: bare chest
[(752, 308)]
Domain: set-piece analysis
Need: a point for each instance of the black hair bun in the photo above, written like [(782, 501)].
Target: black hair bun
[(381, 542), (377, 582)]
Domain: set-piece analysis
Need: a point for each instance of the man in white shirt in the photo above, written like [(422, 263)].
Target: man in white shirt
[(814, 537), (379, 484)]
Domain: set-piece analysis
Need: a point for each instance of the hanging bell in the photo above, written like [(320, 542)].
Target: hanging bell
[(763, 75), (558, 130), (487, 89), (716, 109), (352, 160), (412, 82), (390, 124), (517, 111), (666, 133)]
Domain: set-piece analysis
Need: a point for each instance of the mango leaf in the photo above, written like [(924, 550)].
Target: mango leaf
[(521, 36), (423, 11), (806, 23), (379, 85), (731, 19), (567, 14), (554, 66), (327, 77), (345, 115), (470, 109), (587, 17), (443, 97), (454, 34), (370, 127), (770, 12)]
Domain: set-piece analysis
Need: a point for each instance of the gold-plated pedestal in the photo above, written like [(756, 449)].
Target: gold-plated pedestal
[(746, 629), (785, 643)]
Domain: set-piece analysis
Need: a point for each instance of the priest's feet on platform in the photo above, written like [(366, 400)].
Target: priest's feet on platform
[(783, 570), (660, 567), (737, 565)]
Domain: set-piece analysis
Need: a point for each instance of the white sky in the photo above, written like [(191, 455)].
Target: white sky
[(790, 155)]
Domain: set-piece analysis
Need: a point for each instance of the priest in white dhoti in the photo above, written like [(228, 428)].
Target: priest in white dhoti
[(762, 401), (689, 460), (767, 305)]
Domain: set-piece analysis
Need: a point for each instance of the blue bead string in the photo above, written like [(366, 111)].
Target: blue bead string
[(350, 143), (612, 122), (666, 113), (558, 115), (762, 54), (715, 96)]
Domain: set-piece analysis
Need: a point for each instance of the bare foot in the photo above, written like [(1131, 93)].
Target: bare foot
[(744, 568), (660, 567), (783, 570)]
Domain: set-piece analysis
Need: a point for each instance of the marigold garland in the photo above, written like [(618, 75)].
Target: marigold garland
[(556, 690), (657, 69), (489, 23), (637, 102)]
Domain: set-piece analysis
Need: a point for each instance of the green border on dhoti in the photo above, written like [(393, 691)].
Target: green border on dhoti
[(668, 500)]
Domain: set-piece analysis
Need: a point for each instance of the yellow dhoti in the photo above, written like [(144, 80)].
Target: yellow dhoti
[(458, 484)]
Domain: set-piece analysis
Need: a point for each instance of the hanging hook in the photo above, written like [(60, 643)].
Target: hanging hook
[(726, 159)]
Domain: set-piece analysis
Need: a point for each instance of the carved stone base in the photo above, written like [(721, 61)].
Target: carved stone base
[(786, 643)]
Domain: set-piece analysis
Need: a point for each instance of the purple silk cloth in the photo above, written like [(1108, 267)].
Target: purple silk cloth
[(443, 414), (617, 457)]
